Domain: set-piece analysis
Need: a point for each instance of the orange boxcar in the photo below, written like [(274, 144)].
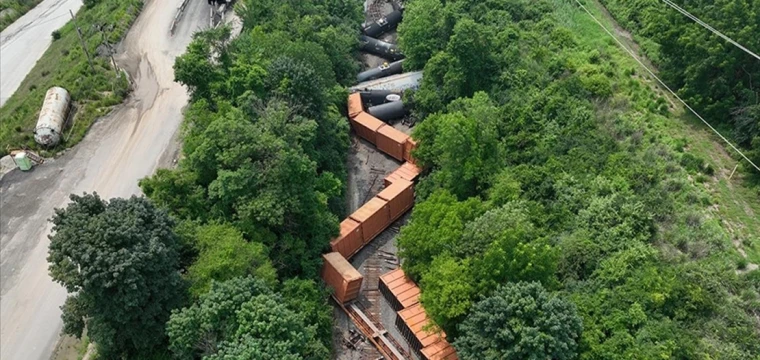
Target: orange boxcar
[(411, 322), (366, 126), (400, 197), (407, 171), (374, 216), (441, 350), (411, 144), (392, 142), (400, 291), (343, 278), (354, 105), (350, 239)]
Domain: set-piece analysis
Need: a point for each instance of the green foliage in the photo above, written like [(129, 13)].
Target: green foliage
[(65, 64), (120, 262), (463, 144), (554, 166), (310, 299), (426, 28), (447, 292), (436, 227), (224, 254), (242, 318), (256, 172), (261, 180), (461, 69), (90, 3), (520, 321), (330, 24), (712, 75), (754, 155)]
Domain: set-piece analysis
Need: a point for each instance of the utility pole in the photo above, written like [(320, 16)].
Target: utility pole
[(84, 47), (105, 43)]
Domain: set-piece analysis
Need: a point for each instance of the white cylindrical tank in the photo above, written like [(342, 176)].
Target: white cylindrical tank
[(55, 108), (393, 97)]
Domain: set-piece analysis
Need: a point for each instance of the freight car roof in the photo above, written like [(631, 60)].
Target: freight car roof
[(368, 209), (416, 319), (393, 134), (402, 288), (441, 350), (342, 266)]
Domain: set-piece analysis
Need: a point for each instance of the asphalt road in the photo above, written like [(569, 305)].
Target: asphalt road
[(23, 42), (121, 148)]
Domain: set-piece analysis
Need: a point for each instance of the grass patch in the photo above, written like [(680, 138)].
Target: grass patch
[(707, 159), (82, 347), (11, 10), (65, 64)]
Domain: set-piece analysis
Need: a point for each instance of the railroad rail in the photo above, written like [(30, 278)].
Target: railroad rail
[(375, 333)]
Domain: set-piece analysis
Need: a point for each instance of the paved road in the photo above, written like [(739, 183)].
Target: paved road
[(23, 42), (123, 147)]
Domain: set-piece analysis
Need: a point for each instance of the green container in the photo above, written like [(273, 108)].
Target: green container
[(22, 161)]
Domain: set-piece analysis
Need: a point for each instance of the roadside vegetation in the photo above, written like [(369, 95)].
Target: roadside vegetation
[(247, 213), (64, 64), (11, 10), (550, 160)]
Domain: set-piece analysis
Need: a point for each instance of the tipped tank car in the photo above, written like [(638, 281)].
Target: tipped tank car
[(381, 48), (384, 24), (55, 110), (389, 111), (377, 97), (400, 82), (380, 71)]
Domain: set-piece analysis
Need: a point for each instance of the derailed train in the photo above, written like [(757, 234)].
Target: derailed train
[(381, 48), (370, 104)]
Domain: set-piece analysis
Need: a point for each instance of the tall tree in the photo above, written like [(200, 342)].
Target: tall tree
[(242, 318), (447, 292), (424, 31), (435, 228), (463, 145), (520, 321), (119, 261)]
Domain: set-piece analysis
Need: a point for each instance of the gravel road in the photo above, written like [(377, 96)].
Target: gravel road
[(23, 42), (121, 148)]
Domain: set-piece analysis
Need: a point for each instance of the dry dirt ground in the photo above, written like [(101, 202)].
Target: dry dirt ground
[(121, 148)]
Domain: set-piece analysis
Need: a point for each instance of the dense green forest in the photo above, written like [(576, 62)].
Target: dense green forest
[(548, 162), (244, 217), (715, 77)]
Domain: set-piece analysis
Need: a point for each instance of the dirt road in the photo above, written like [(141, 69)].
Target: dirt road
[(23, 42), (129, 144)]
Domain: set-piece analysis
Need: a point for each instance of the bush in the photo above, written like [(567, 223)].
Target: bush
[(742, 263), (520, 321), (56, 35)]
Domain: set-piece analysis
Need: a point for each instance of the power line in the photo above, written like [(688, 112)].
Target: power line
[(665, 86), (708, 27)]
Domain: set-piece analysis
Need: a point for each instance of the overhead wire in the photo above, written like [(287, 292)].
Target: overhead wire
[(633, 55), (708, 27)]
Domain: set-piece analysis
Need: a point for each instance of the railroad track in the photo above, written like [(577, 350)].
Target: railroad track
[(375, 9), (373, 330)]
